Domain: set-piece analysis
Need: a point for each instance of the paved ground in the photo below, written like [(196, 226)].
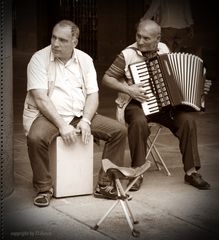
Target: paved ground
[(165, 207)]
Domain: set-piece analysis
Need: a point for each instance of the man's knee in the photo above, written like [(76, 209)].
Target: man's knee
[(188, 120), (122, 131), (34, 139), (138, 123)]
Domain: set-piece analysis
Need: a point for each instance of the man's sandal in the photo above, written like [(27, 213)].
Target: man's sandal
[(42, 199)]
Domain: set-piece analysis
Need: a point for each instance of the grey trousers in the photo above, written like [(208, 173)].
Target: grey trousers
[(43, 132), (181, 124)]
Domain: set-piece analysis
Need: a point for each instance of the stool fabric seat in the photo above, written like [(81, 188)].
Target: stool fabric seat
[(127, 172)]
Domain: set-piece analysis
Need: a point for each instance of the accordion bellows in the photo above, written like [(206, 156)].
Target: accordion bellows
[(171, 80)]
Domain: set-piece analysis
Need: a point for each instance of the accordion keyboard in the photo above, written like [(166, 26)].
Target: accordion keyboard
[(155, 89)]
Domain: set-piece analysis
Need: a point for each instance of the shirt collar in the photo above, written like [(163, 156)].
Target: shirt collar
[(75, 57), (135, 47)]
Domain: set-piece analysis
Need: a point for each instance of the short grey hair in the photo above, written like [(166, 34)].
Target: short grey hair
[(67, 23), (152, 25)]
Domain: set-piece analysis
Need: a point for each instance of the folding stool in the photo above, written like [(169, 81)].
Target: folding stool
[(158, 160), (117, 174)]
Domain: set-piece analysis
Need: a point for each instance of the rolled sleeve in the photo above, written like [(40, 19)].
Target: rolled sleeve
[(91, 84), (37, 77), (117, 69)]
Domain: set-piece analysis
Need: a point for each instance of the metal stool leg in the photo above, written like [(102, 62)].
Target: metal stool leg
[(126, 209), (158, 160), (123, 193), (105, 215), (151, 145), (161, 162)]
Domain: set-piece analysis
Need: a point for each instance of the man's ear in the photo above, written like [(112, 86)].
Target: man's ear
[(75, 42), (158, 38)]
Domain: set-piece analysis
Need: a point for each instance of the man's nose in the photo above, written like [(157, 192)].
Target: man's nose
[(56, 42), (140, 41)]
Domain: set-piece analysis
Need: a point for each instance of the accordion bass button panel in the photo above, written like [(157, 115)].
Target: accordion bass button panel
[(159, 86)]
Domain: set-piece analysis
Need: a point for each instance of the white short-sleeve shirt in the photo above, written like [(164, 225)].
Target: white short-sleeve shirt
[(68, 95)]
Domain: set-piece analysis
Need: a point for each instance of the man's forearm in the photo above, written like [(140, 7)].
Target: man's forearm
[(47, 108), (115, 84), (91, 105), (49, 111)]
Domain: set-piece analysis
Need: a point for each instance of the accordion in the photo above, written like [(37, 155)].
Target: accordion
[(171, 80)]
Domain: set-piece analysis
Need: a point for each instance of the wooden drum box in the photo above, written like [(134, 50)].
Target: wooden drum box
[(71, 167)]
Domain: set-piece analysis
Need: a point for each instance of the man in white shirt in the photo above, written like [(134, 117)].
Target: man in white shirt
[(181, 123), (62, 99), (175, 19)]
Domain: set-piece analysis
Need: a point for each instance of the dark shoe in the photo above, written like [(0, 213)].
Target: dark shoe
[(42, 199), (107, 192), (137, 185), (195, 179)]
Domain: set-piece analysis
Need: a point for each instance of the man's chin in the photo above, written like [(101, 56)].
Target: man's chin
[(56, 53), (146, 50), (142, 49)]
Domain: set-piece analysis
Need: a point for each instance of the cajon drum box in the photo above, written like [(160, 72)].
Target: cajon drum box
[(71, 167)]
